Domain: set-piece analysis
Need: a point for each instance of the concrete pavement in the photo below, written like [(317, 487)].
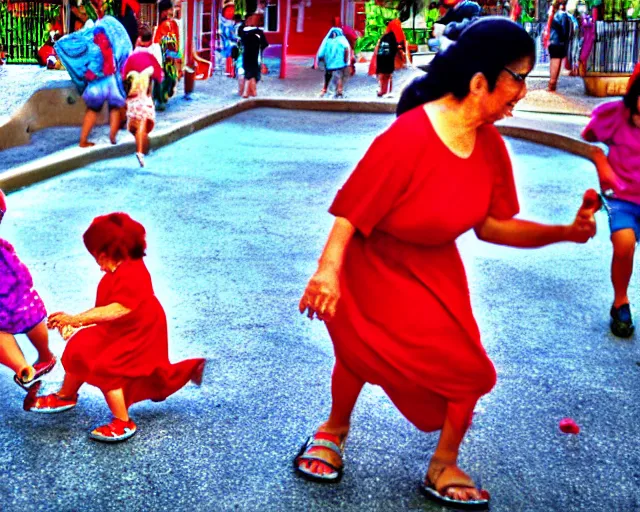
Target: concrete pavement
[(232, 242)]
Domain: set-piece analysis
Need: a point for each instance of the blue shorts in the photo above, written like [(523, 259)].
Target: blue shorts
[(104, 89), (623, 215)]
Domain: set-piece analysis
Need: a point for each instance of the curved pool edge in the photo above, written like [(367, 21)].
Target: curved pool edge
[(76, 157)]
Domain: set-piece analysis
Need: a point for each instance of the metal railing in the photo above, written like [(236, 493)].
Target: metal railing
[(23, 29), (535, 30), (616, 48)]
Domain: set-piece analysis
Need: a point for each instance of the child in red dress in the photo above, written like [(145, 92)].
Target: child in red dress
[(121, 345)]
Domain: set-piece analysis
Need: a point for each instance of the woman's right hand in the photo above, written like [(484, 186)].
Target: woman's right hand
[(322, 294)]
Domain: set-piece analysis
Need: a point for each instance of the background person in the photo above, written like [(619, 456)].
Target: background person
[(617, 124), (557, 36)]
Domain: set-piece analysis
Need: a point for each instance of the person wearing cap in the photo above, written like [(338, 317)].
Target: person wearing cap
[(22, 311)]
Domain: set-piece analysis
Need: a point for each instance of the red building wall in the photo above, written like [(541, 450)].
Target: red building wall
[(317, 22)]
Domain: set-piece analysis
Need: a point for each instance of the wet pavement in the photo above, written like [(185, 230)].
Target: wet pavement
[(236, 219)]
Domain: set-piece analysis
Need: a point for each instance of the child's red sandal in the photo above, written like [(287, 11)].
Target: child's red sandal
[(114, 432)]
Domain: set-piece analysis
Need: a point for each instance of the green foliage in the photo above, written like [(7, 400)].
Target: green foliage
[(528, 11), (3, 29), (377, 19)]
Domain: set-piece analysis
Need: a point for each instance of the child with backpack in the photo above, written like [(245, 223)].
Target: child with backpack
[(389, 54), (335, 52)]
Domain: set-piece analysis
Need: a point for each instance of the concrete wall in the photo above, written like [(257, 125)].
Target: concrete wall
[(52, 106)]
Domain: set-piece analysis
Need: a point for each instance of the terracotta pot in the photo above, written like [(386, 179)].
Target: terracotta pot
[(605, 84)]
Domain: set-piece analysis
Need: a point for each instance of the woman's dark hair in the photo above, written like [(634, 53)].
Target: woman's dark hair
[(631, 97), (485, 46), (117, 235)]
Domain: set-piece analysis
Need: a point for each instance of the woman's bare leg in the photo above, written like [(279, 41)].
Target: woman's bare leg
[(554, 73), (456, 423), (345, 389)]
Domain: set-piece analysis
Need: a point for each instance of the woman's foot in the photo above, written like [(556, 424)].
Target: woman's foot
[(116, 431), (449, 481), (321, 457), (86, 144)]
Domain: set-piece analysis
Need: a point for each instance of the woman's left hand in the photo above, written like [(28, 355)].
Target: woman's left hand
[(60, 319), (583, 227)]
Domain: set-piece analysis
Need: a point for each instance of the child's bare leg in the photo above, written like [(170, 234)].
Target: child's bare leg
[(70, 386), (624, 245), (10, 353), (241, 86), (90, 118), (39, 338), (253, 87), (114, 124), (116, 403), (141, 135)]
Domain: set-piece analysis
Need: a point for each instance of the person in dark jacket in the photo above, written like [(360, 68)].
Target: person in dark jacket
[(559, 31)]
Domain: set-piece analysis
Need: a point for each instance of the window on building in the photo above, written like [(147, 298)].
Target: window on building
[(271, 16)]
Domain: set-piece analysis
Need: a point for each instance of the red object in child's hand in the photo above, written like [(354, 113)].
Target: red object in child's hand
[(591, 200), (568, 426)]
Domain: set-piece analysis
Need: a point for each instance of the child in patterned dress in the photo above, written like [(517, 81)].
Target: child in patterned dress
[(139, 72), (21, 312)]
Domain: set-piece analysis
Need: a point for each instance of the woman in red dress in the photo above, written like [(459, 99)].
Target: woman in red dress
[(390, 284), (121, 345)]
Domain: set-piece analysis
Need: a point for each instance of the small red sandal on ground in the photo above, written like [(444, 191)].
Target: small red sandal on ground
[(25, 381), (114, 432), (47, 404)]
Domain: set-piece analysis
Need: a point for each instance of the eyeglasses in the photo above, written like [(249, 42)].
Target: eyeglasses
[(518, 77)]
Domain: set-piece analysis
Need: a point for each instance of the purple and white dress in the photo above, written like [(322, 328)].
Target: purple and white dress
[(21, 308)]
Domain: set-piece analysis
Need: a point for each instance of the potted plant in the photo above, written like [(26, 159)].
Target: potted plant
[(611, 60)]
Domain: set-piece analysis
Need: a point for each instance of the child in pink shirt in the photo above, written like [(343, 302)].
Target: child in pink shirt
[(617, 124)]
